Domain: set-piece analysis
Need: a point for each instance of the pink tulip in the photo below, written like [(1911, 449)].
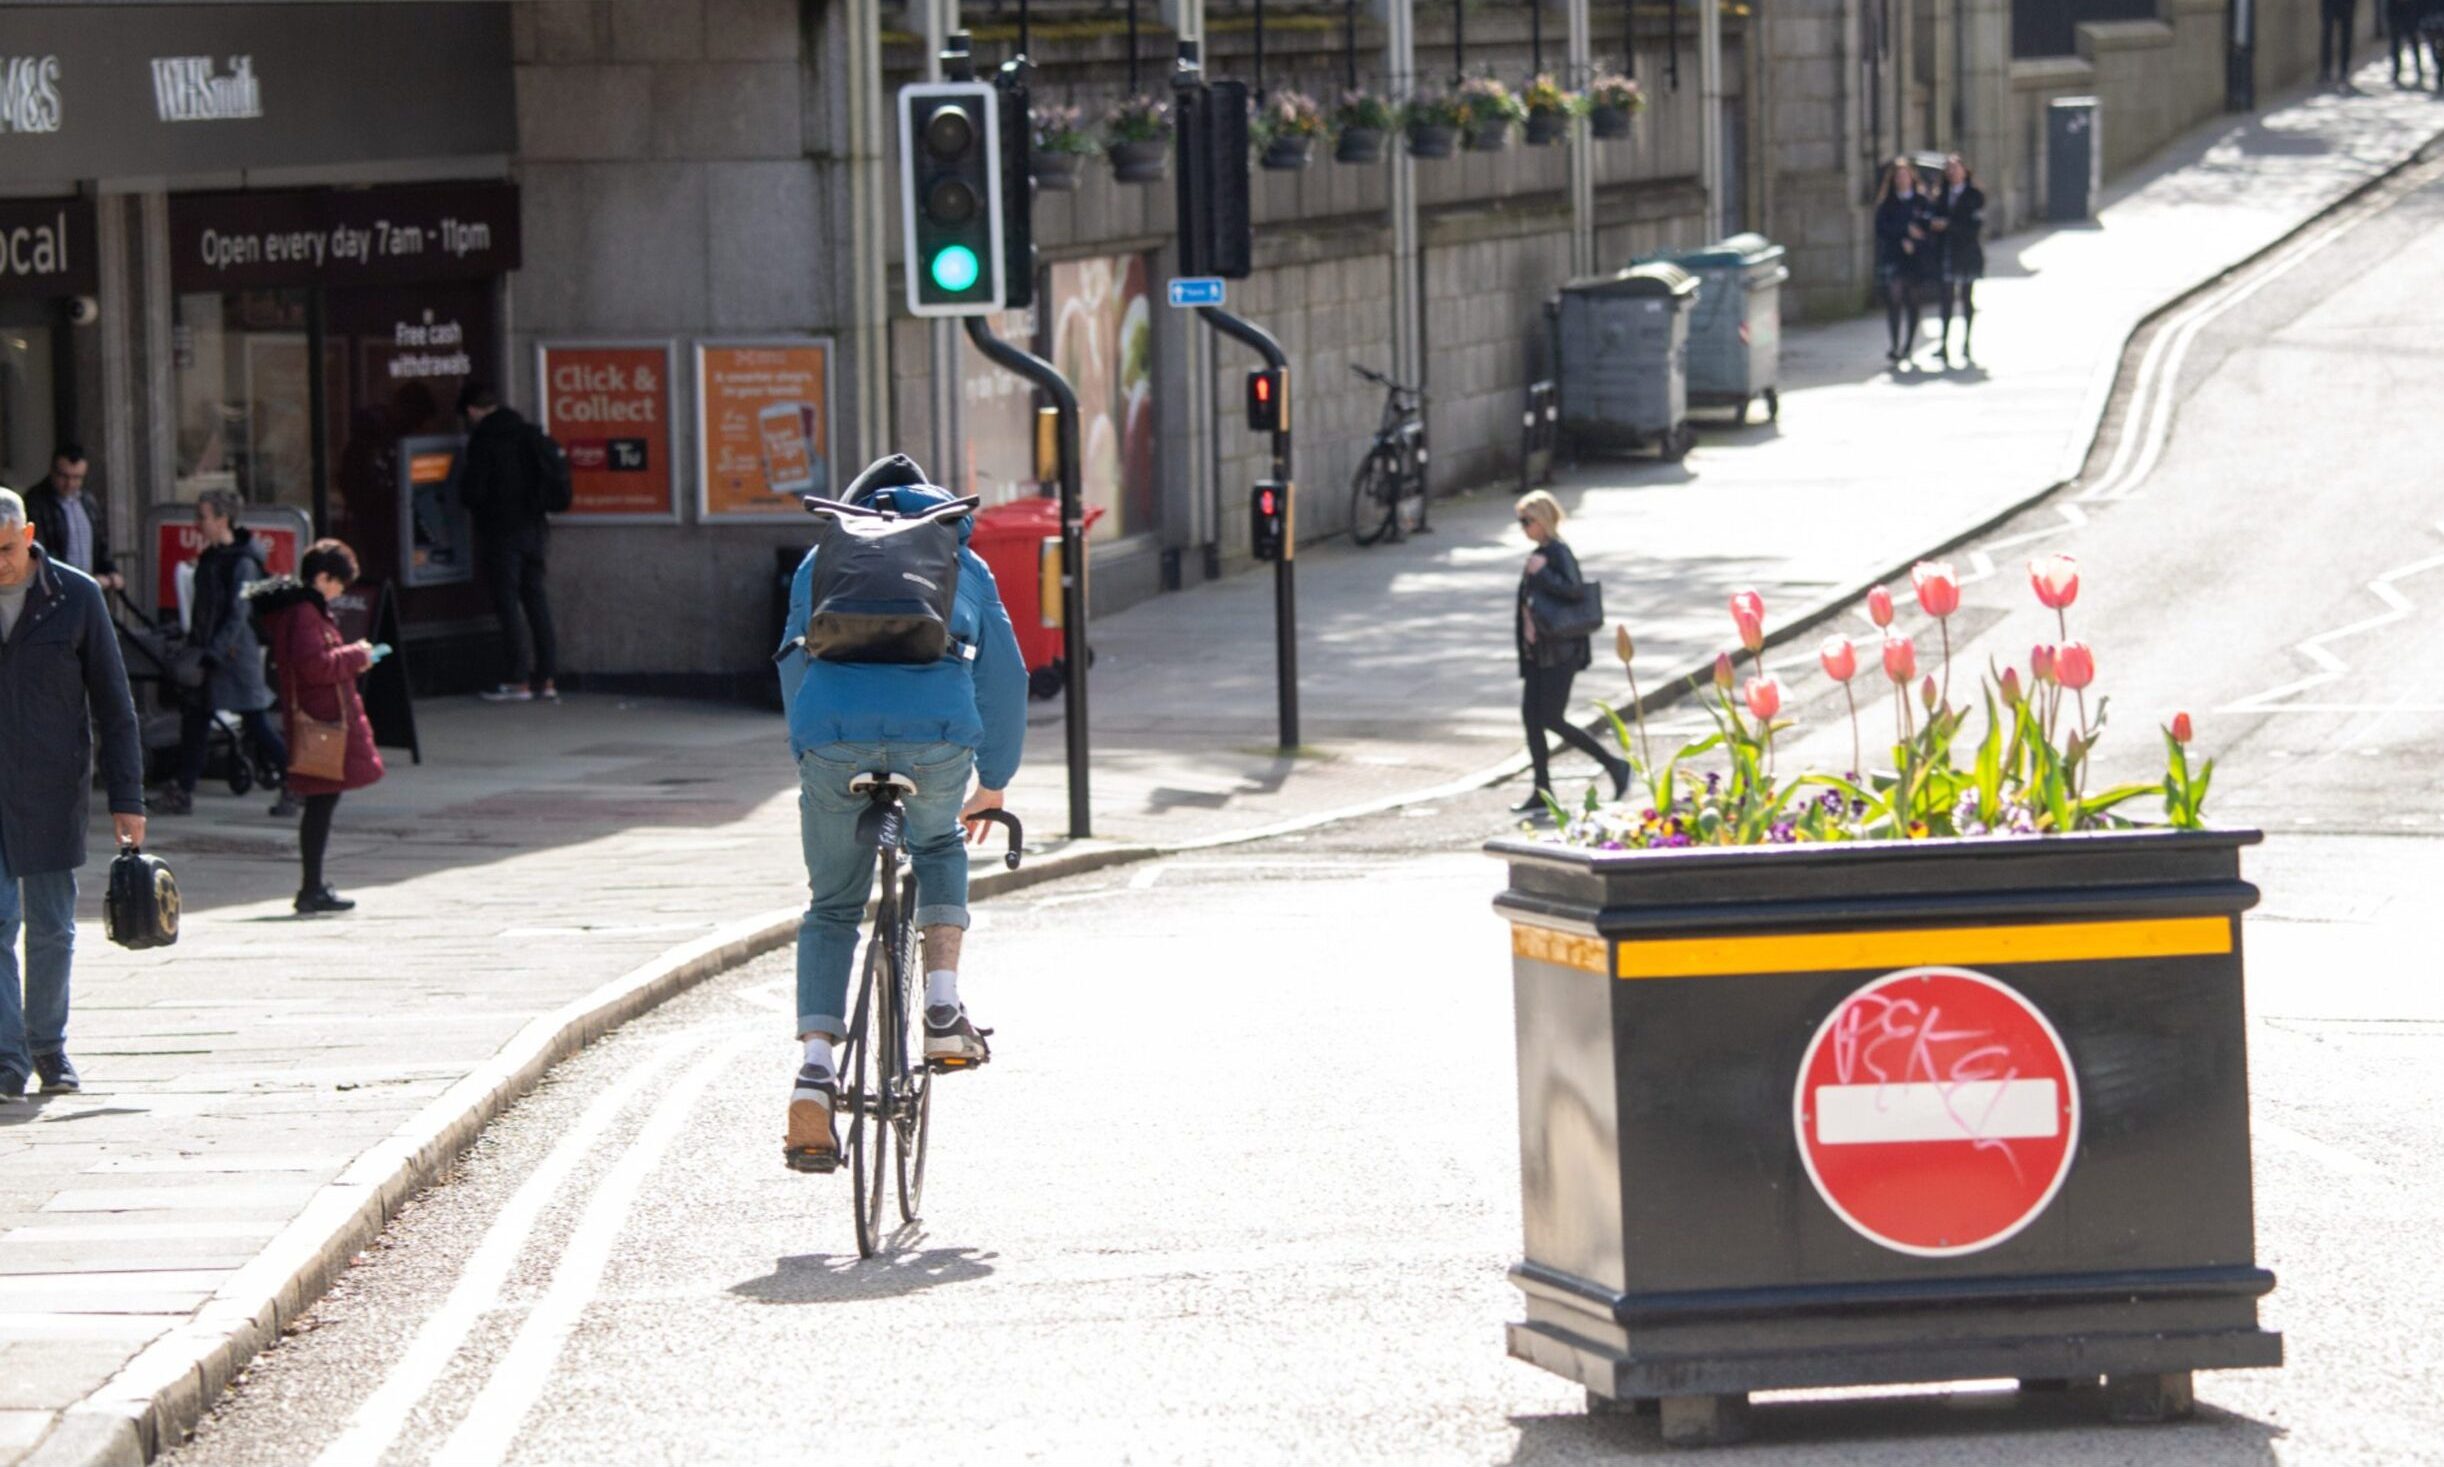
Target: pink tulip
[(2180, 728), (1879, 607), (2075, 664), (1764, 697), (2041, 662), (2055, 579), (2012, 696), (1722, 671), (1748, 614), (1900, 659), (1839, 657), (1938, 589)]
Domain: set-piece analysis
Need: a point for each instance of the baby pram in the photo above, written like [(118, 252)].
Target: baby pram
[(158, 655)]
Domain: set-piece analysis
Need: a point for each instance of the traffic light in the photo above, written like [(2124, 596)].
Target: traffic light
[(1210, 136), (951, 198), (1269, 520), (1017, 187), (1268, 400)]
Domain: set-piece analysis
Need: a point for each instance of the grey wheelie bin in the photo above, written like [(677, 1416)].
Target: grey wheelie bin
[(1623, 345), (1735, 334)]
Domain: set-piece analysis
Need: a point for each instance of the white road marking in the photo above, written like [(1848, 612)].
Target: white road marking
[(382, 1415), (2332, 667), (517, 1380), (1972, 1110), (1146, 876)]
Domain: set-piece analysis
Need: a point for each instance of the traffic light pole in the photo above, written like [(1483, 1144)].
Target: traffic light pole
[(1285, 571), (1073, 552)]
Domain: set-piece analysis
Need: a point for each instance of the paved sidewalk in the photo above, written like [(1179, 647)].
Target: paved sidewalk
[(265, 1086)]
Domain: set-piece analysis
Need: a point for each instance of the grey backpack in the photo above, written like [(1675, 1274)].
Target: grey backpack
[(884, 583)]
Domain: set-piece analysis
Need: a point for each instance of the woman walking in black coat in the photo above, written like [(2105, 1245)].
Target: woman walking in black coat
[(1960, 236), (1904, 256), (1550, 589)]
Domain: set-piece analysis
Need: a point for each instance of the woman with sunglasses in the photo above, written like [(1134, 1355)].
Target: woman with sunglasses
[(1547, 662)]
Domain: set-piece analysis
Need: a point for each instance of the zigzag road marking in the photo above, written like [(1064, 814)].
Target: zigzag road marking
[(2331, 667)]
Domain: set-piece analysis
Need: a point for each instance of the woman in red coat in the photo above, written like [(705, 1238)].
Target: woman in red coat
[(318, 673)]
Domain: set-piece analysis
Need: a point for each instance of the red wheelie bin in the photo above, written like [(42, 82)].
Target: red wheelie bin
[(1021, 543)]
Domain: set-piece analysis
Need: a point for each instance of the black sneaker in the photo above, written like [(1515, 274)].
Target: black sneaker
[(810, 1144), (287, 807), (322, 899), (951, 1041), (12, 1088), (172, 801), (57, 1075)]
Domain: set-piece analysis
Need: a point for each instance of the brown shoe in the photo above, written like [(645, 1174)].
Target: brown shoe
[(809, 1144)]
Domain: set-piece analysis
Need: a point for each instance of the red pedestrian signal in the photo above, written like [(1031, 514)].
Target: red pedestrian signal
[(1269, 520), (1268, 400)]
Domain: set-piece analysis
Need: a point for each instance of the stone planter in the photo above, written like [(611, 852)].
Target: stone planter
[(1490, 138), (1284, 155), (1432, 139), (1358, 145), (1054, 172), (1145, 161), (1912, 1111), (1608, 122), (1547, 125)]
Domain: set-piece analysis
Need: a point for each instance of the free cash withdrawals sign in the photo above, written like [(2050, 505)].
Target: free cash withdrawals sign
[(608, 403), (1937, 1111), (763, 427)]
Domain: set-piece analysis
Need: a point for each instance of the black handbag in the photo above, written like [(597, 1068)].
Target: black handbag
[(140, 909), (1561, 619)]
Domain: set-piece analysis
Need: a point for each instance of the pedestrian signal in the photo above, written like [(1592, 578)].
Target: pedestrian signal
[(1269, 520), (951, 198), (1268, 400)]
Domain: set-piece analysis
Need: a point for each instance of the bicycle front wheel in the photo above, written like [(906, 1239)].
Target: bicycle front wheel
[(1374, 502), (865, 1072), (912, 1114)]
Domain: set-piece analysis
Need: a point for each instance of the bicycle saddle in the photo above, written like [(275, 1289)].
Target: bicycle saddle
[(863, 784)]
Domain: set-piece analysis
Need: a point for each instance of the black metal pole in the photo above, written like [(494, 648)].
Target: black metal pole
[(1535, 38), (1459, 40), (1132, 48), (1629, 39), (1349, 41), (1285, 572), (1259, 53), (1073, 554), (1671, 55), (1023, 48)]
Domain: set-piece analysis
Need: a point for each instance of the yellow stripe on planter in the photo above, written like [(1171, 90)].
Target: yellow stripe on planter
[(1820, 952), (1569, 949)]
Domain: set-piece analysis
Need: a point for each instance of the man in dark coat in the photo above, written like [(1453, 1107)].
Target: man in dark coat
[(500, 480), (70, 525), (60, 677)]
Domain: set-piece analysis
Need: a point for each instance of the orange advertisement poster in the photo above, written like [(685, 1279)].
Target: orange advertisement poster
[(608, 405), (763, 427)]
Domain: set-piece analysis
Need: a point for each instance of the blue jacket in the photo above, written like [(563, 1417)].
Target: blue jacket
[(979, 704)]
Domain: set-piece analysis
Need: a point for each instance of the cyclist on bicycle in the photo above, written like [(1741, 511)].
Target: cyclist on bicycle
[(936, 723)]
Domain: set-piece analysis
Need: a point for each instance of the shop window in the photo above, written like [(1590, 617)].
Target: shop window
[(28, 406), (245, 417)]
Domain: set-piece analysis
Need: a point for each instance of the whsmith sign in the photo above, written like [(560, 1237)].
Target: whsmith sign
[(171, 91)]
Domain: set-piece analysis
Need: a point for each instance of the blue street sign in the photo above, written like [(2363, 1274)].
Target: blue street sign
[(1197, 290)]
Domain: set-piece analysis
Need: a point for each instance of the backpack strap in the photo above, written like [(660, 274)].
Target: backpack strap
[(815, 505)]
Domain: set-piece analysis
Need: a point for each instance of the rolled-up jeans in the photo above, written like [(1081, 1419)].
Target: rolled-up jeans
[(44, 906), (840, 868)]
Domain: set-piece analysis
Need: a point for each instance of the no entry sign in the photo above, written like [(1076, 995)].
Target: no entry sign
[(1937, 1111)]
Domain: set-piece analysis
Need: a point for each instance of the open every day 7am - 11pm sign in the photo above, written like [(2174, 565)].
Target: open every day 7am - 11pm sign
[(763, 427)]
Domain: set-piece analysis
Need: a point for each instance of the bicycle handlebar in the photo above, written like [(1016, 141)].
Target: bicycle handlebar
[(1018, 834), (1371, 375)]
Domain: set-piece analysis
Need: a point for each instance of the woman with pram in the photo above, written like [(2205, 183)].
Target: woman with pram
[(220, 627)]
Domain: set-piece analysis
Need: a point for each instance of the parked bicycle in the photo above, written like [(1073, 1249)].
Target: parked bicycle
[(1393, 472), (888, 1085)]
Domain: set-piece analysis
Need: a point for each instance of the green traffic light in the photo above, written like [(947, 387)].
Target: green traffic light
[(955, 268)]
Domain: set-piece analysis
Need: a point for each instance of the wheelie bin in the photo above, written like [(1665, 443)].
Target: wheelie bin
[(1623, 345), (1020, 542), (1735, 332)]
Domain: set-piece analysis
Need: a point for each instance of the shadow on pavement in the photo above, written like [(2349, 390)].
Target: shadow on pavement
[(840, 1278), (1996, 1426)]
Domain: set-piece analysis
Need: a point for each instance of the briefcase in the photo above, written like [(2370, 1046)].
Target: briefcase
[(141, 908)]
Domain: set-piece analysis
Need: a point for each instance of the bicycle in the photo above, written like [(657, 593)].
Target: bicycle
[(1394, 468), (889, 1100)]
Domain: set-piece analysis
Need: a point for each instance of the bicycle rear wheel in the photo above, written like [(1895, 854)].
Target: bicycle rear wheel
[(1374, 503), (865, 1069), (912, 1114)]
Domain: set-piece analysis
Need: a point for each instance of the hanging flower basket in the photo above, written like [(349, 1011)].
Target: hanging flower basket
[(1058, 145), (1137, 138), (1549, 109), (1359, 125), (1611, 101), (1546, 126), (1285, 129), (1433, 122), (1487, 111)]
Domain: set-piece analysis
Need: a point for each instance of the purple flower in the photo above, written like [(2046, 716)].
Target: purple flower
[(1714, 782)]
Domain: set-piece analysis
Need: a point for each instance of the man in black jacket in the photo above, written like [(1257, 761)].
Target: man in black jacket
[(71, 526), (60, 676), (501, 482)]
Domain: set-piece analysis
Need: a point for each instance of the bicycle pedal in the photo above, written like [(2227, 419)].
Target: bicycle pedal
[(952, 1066), (810, 1163)]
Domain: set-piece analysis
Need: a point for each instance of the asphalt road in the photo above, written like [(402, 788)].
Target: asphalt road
[(1240, 1185)]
